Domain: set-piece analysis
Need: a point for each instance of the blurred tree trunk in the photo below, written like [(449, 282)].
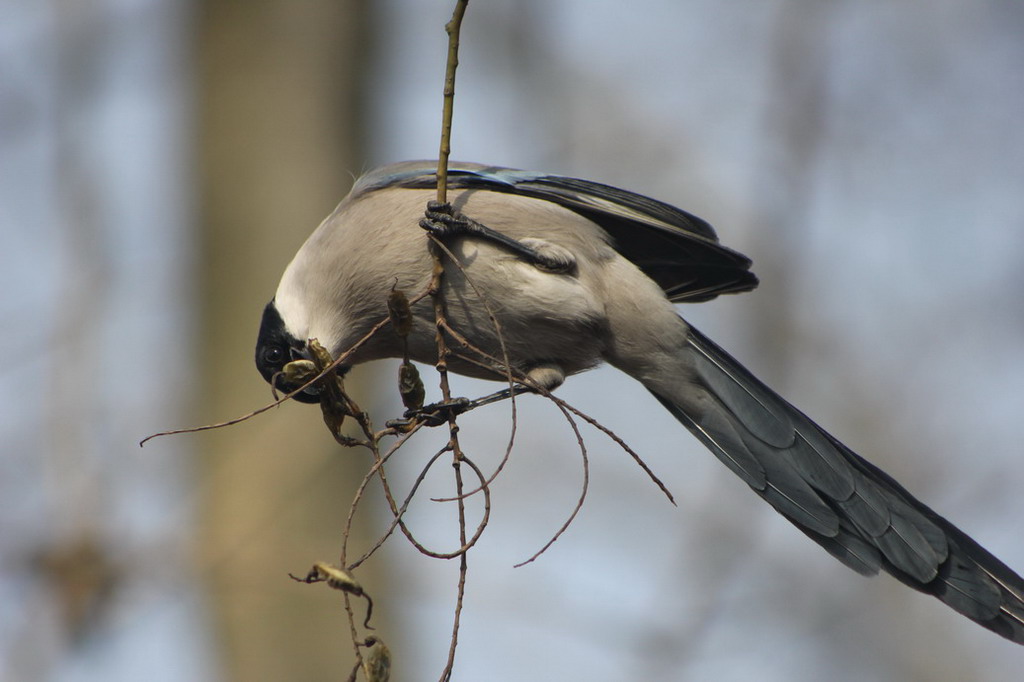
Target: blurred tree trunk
[(795, 122), (280, 127)]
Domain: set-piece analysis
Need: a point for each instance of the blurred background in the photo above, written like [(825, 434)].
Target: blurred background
[(162, 160)]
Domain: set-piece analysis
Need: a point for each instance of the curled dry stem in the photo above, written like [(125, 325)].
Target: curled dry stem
[(504, 364), (397, 512)]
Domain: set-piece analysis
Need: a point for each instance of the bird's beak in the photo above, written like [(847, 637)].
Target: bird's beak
[(296, 373), (308, 395)]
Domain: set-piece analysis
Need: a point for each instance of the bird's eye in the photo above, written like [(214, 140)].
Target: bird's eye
[(273, 355)]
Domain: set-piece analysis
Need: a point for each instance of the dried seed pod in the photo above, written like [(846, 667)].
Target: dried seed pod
[(377, 661), (335, 577), (334, 413), (334, 404), (321, 356), (400, 312), (339, 579), (410, 386)]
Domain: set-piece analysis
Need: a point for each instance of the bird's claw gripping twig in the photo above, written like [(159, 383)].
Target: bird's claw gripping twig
[(436, 414), (443, 221)]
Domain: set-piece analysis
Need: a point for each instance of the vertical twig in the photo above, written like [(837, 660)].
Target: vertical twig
[(452, 28), (453, 445)]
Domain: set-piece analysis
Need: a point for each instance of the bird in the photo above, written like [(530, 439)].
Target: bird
[(579, 274)]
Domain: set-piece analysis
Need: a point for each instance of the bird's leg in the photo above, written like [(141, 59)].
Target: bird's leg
[(545, 377), (443, 221), (436, 414)]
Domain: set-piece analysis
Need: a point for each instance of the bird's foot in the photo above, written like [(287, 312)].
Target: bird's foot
[(439, 413), (436, 414), (443, 221)]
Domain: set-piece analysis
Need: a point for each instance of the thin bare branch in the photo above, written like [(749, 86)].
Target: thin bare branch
[(583, 492), (505, 363), (486, 361), (396, 511), (453, 29), (618, 441)]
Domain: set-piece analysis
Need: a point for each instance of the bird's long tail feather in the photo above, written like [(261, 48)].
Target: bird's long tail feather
[(850, 507)]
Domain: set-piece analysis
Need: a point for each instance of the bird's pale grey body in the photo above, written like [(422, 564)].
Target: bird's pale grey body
[(628, 258), (546, 317)]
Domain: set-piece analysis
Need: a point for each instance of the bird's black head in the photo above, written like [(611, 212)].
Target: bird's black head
[(276, 347)]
